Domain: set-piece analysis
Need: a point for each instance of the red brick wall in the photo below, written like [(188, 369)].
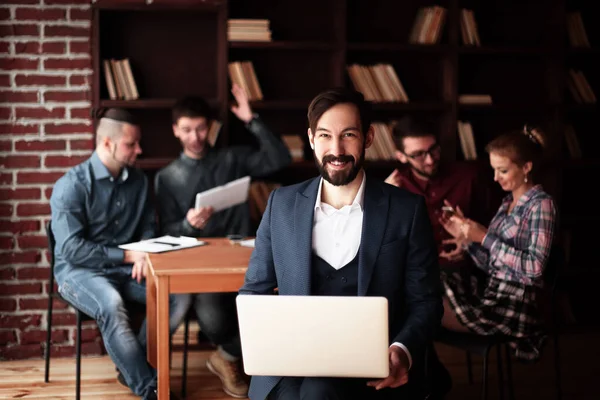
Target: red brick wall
[(45, 80)]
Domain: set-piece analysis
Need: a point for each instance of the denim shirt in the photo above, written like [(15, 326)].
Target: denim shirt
[(93, 213)]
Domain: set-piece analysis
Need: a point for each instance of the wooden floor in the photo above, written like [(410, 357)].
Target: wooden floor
[(580, 376)]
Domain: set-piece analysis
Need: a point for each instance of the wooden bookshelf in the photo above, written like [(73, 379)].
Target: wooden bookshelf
[(180, 47)]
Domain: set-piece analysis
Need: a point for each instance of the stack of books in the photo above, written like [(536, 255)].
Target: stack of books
[(383, 147), (119, 80), (468, 28), (576, 31), (475, 99), (467, 140), (295, 145), (580, 88), (248, 30), (242, 73), (378, 83), (427, 28)]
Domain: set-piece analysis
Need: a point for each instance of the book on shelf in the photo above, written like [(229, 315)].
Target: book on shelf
[(427, 28), (383, 146), (468, 28), (580, 88), (242, 73), (576, 30), (378, 83), (248, 30), (467, 140), (119, 79), (213, 131), (475, 99), (295, 145), (572, 142)]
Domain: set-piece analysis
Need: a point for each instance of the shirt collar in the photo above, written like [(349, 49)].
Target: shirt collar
[(357, 202), (100, 170)]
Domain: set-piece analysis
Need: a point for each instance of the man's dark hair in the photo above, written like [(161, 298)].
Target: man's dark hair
[(191, 107), (332, 97), (409, 127)]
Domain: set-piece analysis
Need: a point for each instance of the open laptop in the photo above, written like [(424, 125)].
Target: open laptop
[(324, 336)]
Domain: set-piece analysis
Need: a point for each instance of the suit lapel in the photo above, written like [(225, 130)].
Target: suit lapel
[(376, 205), (303, 226)]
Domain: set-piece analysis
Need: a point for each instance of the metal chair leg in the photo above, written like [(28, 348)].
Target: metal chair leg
[(186, 334), (78, 358), (485, 374), (469, 368), (48, 339), (511, 386), (500, 372)]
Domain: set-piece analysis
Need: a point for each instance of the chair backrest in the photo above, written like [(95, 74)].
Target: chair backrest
[(548, 306), (51, 245)]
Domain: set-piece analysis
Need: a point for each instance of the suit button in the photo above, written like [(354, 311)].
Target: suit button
[(344, 279), (329, 277)]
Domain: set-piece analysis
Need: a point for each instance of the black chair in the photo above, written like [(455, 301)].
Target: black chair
[(81, 316), (482, 345)]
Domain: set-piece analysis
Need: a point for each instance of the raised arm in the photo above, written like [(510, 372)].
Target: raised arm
[(69, 224), (272, 154)]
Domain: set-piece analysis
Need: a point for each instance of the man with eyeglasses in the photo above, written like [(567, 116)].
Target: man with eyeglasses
[(458, 183), (424, 173)]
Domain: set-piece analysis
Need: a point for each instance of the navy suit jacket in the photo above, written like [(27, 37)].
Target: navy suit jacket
[(397, 259)]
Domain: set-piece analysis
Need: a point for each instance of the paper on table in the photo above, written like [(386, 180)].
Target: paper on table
[(162, 244), (225, 196), (247, 243)]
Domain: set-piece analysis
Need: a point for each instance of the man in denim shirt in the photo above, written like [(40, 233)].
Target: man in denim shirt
[(97, 206), (201, 167)]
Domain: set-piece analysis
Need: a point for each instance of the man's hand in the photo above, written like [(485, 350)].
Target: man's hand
[(242, 110), (140, 269), (398, 370), (394, 179), (198, 218), (139, 259)]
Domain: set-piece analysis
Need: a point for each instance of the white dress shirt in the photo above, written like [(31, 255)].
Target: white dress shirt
[(336, 234)]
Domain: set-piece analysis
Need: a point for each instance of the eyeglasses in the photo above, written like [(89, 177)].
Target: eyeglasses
[(434, 151)]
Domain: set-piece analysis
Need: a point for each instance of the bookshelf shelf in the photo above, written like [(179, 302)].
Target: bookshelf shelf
[(507, 107), (583, 50), (399, 47), (282, 45), (146, 103), (507, 50), (159, 5), (280, 105), (411, 106)]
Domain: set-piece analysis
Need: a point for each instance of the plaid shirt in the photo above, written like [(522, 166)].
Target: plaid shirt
[(517, 245)]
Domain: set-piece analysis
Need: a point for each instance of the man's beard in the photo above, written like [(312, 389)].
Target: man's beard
[(423, 173), (342, 177)]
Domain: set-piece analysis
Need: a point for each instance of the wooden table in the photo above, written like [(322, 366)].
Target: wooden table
[(217, 267)]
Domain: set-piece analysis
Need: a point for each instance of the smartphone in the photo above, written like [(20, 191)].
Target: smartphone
[(234, 239), (449, 210)]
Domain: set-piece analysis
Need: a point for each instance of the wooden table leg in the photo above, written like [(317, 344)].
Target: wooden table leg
[(151, 319), (162, 326)]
